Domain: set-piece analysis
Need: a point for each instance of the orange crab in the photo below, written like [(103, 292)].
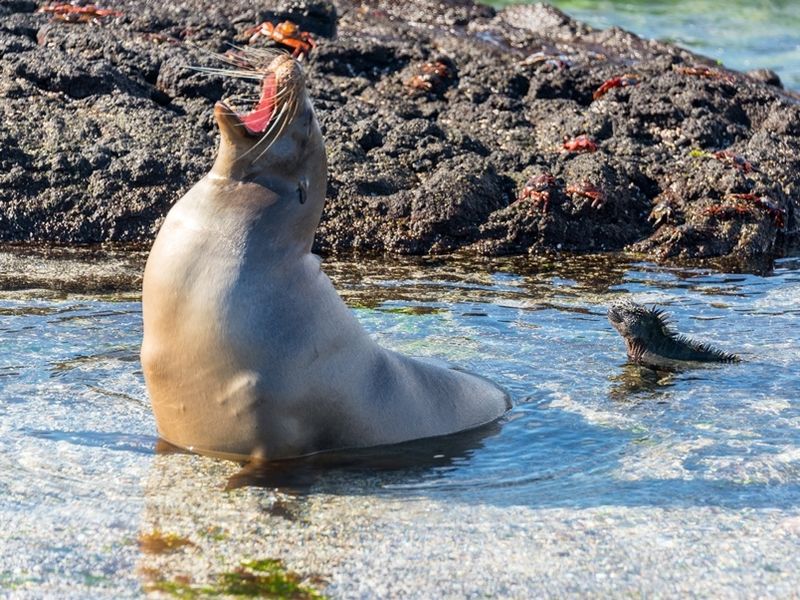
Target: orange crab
[(71, 13), (286, 33), (582, 143), (704, 72)]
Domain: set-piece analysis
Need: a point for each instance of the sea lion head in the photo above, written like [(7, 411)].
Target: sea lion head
[(277, 144)]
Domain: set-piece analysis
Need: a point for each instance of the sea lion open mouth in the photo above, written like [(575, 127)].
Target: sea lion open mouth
[(278, 97), (257, 120)]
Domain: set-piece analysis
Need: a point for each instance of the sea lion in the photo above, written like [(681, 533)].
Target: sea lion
[(248, 350)]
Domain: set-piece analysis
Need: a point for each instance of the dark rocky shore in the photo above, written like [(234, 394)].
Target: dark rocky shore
[(102, 128)]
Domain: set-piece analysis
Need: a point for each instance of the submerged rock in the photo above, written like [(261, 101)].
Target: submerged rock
[(436, 116)]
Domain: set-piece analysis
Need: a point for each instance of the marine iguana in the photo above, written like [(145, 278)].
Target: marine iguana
[(650, 340)]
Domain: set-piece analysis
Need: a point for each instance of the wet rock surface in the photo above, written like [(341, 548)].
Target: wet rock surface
[(442, 121)]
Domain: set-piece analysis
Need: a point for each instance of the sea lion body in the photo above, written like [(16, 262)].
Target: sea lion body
[(249, 351)]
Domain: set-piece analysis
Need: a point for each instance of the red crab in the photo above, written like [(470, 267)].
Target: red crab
[(766, 204), (725, 212), (71, 13), (582, 143), (749, 197), (624, 81), (588, 190), (286, 33), (537, 190)]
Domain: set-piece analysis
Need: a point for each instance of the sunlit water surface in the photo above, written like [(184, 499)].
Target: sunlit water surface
[(77, 436)]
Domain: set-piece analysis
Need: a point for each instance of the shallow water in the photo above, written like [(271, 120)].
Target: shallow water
[(743, 34), (80, 481)]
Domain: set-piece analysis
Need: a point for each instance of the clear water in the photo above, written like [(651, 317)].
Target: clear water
[(743, 34), (79, 477)]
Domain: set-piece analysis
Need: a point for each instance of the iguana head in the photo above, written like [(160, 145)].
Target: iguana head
[(641, 327)]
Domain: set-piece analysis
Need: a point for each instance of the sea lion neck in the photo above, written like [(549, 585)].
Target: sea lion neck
[(275, 215)]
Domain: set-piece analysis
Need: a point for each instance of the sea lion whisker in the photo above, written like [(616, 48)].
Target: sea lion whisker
[(198, 48), (287, 118), (251, 50), (266, 135), (252, 99), (253, 55), (229, 59), (268, 53), (260, 111), (241, 99), (274, 122), (216, 56), (272, 134), (238, 74), (280, 123)]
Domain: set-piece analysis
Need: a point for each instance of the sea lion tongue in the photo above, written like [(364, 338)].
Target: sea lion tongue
[(256, 121)]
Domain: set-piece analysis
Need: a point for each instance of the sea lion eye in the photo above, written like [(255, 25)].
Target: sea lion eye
[(301, 191)]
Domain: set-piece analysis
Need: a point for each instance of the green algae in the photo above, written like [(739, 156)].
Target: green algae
[(9, 581), (698, 153), (262, 578)]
